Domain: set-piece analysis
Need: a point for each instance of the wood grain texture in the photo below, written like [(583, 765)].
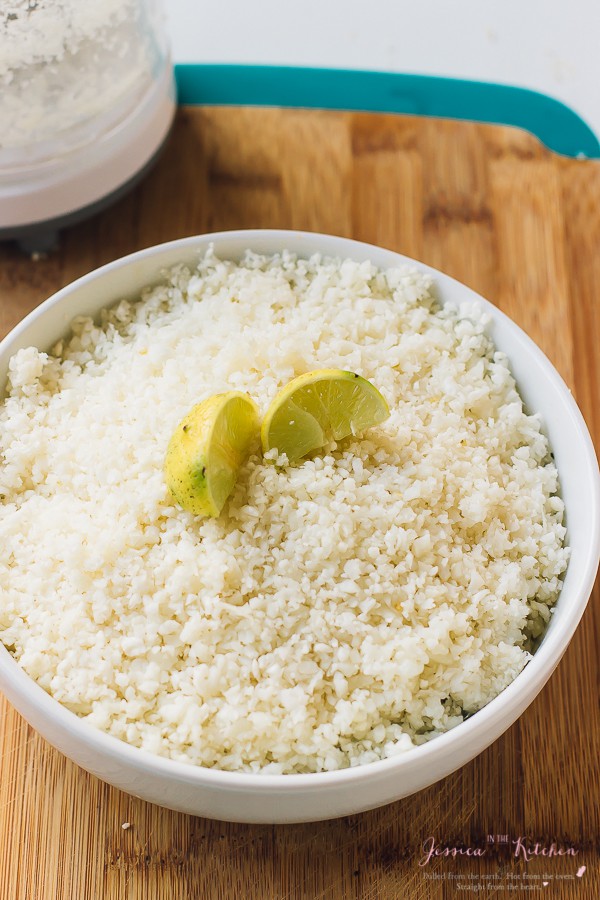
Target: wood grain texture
[(490, 206)]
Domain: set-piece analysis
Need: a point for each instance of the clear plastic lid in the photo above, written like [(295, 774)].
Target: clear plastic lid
[(71, 71)]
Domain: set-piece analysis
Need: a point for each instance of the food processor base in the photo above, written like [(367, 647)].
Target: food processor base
[(40, 238), (40, 200)]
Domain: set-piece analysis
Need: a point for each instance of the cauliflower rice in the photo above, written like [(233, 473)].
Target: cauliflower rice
[(339, 611)]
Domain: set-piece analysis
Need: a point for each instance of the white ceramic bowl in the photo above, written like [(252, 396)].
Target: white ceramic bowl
[(296, 798)]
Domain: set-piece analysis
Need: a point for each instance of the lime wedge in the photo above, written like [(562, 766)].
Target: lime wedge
[(207, 449), (313, 409)]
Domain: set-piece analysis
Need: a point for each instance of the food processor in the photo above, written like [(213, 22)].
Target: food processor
[(87, 98)]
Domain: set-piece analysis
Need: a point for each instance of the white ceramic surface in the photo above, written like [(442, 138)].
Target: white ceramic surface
[(545, 45), (295, 798)]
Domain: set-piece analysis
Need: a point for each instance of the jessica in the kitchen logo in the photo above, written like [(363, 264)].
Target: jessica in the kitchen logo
[(519, 847)]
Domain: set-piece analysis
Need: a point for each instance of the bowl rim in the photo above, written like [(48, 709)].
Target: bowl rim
[(533, 676)]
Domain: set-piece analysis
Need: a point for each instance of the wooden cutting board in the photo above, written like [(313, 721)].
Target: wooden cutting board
[(492, 207)]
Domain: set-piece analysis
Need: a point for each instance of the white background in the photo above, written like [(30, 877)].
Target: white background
[(549, 45)]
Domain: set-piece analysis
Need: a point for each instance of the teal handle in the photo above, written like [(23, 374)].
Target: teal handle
[(554, 123)]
